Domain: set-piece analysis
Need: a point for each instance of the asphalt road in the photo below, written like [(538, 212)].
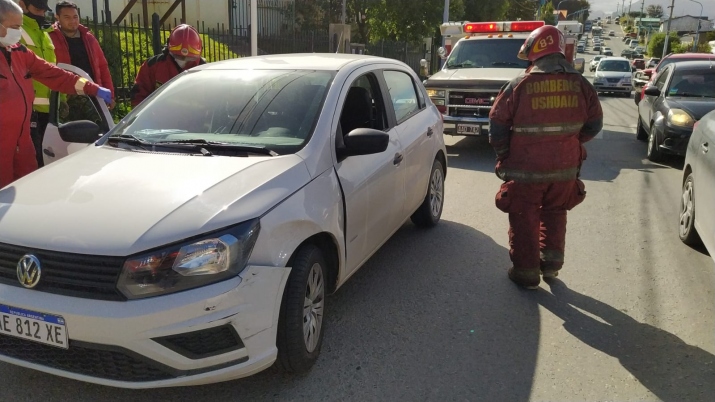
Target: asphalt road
[(433, 317)]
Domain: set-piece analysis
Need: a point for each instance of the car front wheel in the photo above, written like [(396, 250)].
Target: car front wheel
[(430, 211), (641, 133), (687, 232), (300, 324), (654, 152)]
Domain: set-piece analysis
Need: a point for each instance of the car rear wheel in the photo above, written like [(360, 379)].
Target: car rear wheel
[(687, 232), (429, 213), (300, 324), (654, 152), (641, 133)]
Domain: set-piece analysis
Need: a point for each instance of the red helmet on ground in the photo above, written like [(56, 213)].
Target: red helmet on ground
[(543, 42), (185, 43)]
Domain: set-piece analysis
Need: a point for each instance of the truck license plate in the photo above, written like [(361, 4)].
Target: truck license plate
[(33, 326), (469, 129)]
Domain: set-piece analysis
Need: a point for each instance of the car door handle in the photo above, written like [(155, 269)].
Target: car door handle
[(430, 131), (48, 152), (704, 147), (398, 159)]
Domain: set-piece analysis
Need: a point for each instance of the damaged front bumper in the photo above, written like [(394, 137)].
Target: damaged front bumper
[(214, 333)]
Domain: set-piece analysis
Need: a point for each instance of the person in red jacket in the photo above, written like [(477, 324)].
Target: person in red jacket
[(75, 45), (538, 124), (18, 67), (182, 52)]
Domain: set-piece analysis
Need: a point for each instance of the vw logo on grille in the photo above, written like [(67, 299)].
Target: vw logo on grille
[(29, 271)]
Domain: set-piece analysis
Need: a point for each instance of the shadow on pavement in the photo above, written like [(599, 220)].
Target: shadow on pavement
[(431, 316), (618, 151), (666, 365)]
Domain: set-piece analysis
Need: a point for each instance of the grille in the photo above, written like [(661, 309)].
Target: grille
[(613, 80), (469, 112), (471, 98), (78, 275), (116, 365), (204, 343)]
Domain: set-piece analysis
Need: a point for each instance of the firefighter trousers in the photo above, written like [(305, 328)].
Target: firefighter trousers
[(537, 221)]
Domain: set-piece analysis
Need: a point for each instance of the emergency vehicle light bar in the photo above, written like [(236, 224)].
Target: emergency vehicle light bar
[(506, 26)]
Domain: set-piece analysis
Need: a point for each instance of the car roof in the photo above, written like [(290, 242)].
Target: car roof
[(690, 55), (297, 61), (695, 65), (615, 58)]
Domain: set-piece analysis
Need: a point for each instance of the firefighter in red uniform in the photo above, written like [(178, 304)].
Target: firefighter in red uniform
[(538, 124), (18, 67), (181, 53)]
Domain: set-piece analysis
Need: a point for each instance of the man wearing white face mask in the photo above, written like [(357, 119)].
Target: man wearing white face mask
[(181, 53), (19, 66)]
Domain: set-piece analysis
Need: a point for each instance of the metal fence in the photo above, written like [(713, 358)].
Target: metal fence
[(127, 45)]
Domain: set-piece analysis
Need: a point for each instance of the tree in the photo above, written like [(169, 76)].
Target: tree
[(520, 9), (409, 20), (495, 10), (547, 14), (654, 11), (657, 41)]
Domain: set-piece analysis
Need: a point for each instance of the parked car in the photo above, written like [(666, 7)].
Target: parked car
[(639, 64), (197, 240), (594, 63), (634, 44), (639, 49), (652, 62), (671, 58), (580, 48), (627, 53), (613, 75), (697, 217), (681, 94)]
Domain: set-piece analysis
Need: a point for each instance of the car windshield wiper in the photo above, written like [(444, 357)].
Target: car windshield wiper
[(131, 140), (256, 149), (505, 63), (151, 146), (463, 65)]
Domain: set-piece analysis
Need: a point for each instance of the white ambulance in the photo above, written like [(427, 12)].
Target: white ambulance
[(479, 58)]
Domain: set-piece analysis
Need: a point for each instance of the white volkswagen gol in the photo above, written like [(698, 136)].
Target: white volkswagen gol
[(196, 241)]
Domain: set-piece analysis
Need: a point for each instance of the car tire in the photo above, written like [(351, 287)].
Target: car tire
[(300, 327), (686, 228), (430, 211), (654, 153), (641, 134)]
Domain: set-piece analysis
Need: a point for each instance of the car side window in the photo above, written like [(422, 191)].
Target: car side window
[(364, 106), (403, 94), (662, 77), (77, 107)]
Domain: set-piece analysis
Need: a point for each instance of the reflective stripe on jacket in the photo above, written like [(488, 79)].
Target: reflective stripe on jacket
[(38, 40), (539, 121)]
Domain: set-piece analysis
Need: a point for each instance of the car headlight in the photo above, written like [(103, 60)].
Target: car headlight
[(626, 80), (598, 80), (190, 264), (679, 117), (435, 93)]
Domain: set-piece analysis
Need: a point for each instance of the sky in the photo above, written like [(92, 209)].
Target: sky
[(682, 7)]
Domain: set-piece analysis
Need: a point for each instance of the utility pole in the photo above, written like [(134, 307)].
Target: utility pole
[(343, 17), (254, 27), (640, 20), (667, 29), (445, 18)]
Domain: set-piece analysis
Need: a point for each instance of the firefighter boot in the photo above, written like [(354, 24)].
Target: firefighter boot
[(527, 279)]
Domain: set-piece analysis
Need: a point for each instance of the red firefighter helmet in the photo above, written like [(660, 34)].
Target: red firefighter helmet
[(543, 42), (185, 43)]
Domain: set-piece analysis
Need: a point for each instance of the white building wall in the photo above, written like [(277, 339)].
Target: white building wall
[(686, 24), (212, 13)]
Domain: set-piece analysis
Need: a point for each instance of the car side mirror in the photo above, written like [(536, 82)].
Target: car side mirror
[(442, 52), (80, 131), (363, 141), (633, 69), (651, 91)]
